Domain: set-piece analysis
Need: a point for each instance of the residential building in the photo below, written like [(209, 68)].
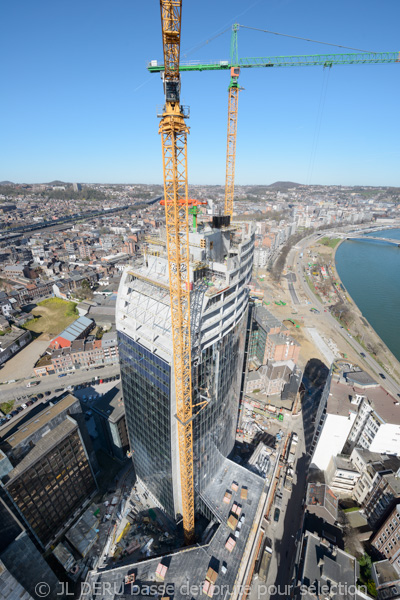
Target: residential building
[(342, 476), (321, 501), (325, 571), (81, 354), (374, 469), (387, 538), (351, 416), (384, 493), (386, 542)]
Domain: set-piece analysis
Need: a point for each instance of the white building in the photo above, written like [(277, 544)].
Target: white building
[(355, 416)]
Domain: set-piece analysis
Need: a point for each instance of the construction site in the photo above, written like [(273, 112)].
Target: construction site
[(182, 321)]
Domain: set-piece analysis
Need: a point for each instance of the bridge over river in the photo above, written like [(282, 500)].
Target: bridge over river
[(366, 238)]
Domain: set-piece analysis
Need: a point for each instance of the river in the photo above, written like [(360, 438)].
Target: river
[(370, 271)]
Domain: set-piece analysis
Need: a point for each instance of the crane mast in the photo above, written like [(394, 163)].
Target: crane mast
[(174, 130), (233, 100)]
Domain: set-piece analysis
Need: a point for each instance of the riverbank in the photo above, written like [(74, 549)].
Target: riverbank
[(363, 331)]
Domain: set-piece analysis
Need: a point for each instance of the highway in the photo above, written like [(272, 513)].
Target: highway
[(298, 268)]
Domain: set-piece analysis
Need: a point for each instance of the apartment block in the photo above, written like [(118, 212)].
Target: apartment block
[(351, 416)]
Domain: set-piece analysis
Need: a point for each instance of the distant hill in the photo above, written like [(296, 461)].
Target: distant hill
[(6, 183), (56, 182), (283, 185)]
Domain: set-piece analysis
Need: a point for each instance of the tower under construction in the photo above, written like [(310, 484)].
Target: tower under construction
[(220, 259)]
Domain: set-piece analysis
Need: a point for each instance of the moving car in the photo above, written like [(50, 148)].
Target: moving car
[(362, 354), (382, 375)]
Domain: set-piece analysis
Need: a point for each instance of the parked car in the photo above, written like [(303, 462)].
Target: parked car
[(29, 403), (62, 375), (23, 406), (276, 515), (47, 393)]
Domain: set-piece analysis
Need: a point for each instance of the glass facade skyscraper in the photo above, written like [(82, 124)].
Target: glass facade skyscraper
[(146, 388), (221, 265)]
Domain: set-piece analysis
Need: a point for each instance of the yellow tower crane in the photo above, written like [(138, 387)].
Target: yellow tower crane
[(174, 132)]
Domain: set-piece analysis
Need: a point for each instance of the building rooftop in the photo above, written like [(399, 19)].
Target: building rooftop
[(75, 329), (187, 568), (9, 338), (280, 339), (360, 378), (339, 402), (266, 319), (384, 574), (44, 445), (323, 564), (320, 496), (344, 462), (385, 405), (12, 437), (84, 533), (111, 405)]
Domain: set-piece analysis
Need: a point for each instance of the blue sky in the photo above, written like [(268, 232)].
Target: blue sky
[(77, 103)]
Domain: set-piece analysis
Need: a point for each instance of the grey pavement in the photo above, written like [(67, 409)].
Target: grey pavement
[(21, 365)]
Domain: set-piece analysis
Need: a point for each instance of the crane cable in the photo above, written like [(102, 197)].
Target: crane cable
[(296, 37), (318, 123)]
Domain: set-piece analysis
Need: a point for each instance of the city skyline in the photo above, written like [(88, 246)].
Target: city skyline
[(81, 106)]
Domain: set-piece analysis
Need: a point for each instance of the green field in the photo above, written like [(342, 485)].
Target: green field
[(330, 242), (52, 316), (6, 407)]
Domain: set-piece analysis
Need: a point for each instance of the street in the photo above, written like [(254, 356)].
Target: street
[(389, 383), (286, 533), (12, 391)]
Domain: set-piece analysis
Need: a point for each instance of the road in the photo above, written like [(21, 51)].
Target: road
[(286, 533), (291, 277), (298, 268), (17, 390)]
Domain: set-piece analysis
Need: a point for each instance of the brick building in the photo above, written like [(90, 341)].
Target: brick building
[(387, 538)]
